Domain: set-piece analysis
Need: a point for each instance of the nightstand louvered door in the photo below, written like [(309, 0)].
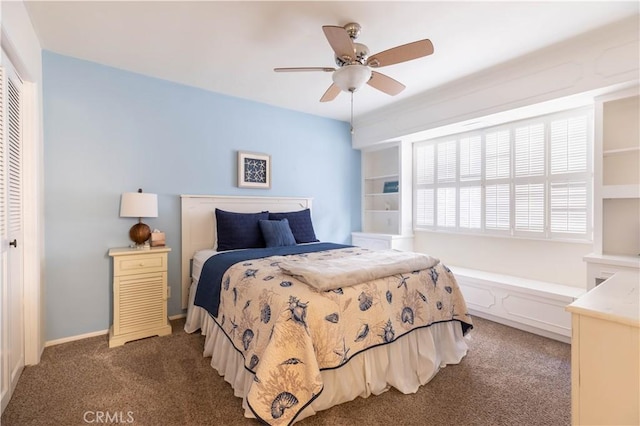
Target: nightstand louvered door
[(139, 294)]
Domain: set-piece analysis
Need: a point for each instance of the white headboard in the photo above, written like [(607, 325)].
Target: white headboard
[(199, 222)]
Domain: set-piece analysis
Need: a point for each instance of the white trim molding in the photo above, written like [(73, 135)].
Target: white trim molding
[(603, 58), (77, 337)]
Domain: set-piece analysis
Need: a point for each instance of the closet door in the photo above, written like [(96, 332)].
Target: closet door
[(11, 218)]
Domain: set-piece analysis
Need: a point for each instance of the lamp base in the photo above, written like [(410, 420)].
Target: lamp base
[(140, 233)]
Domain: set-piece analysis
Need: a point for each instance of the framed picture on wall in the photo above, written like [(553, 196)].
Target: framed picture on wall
[(254, 170)]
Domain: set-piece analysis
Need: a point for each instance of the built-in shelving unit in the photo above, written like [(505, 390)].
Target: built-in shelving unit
[(616, 186), (386, 192)]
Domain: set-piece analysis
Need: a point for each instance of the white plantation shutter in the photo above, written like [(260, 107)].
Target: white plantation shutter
[(425, 160), (446, 207), (498, 155), (569, 207), (529, 184), (569, 187), (424, 169), (529, 150), (425, 210), (471, 207), (470, 199), (446, 161), (569, 145), (529, 207), (498, 168), (497, 210), (528, 178), (470, 158)]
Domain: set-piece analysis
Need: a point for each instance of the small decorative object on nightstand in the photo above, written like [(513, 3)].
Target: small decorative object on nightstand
[(139, 294)]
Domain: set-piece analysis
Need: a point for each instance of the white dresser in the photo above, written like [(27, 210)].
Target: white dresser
[(139, 294), (605, 353)]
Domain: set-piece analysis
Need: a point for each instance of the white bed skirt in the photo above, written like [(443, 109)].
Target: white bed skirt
[(417, 357)]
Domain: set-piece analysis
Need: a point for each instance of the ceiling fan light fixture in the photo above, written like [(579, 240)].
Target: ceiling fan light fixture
[(350, 78)]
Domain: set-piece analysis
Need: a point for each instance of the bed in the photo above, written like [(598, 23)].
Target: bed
[(292, 341)]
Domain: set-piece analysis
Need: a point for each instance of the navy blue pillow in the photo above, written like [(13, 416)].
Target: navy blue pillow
[(239, 230), (300, 224), (277, 233)]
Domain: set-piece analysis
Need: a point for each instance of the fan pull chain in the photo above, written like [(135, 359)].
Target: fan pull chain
[(351, 122)]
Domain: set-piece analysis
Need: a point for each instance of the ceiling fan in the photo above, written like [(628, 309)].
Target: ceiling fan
[(355, 64)]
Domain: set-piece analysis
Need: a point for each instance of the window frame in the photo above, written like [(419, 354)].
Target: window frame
[(547, 179)]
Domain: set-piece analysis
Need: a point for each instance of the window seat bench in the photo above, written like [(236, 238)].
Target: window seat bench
[(534, 306)]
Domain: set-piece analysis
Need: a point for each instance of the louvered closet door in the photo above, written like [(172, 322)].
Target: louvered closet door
[(11, 229)]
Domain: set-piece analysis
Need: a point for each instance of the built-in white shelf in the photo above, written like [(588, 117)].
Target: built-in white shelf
[(393, 176), (614, 260), (616, 196), (386, 167), (380, 194), (621, 151), (620, 191)]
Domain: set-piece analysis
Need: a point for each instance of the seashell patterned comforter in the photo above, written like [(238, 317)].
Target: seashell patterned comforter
[(288, 332)]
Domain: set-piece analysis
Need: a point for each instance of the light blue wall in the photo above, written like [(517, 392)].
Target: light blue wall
[(108, 131)]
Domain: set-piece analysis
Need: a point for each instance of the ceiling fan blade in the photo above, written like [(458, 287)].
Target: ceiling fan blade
[(385, 84), (330, 94), (303, 69), (403, 53), (339, 40)]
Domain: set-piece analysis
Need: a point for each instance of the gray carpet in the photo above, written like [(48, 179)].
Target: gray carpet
[(509, 377)]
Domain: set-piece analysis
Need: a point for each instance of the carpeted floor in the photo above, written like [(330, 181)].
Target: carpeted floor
[(509, 377)]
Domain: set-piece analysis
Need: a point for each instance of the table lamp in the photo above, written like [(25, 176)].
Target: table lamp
[(139, 204)]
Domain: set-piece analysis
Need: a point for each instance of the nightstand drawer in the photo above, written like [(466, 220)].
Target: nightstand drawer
[(142, 263)]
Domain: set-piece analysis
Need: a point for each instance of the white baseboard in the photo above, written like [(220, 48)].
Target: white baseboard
[(74, 338), (94, 334), (520, 326), (534, 306)]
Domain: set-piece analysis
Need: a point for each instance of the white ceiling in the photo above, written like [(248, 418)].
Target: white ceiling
[(232, 47)]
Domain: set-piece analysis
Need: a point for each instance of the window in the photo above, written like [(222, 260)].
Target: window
[(530, 178)]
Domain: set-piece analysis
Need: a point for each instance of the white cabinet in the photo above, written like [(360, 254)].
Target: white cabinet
[(605, 353), (616, 186), (386, 192), (139, 294), (382, 241)]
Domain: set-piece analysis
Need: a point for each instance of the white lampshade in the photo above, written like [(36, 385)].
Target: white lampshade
[(139, 204), (350, 78)]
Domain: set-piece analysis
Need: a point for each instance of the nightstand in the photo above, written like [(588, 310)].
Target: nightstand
[(139, 294)]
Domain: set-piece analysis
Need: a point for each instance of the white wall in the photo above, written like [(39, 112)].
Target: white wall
[(21, 44), (555, 262)]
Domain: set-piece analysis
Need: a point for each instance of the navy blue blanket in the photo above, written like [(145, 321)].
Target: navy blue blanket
[(210, 282)]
